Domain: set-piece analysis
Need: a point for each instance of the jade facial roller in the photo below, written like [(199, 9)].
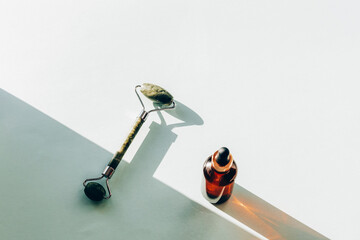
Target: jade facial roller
[(94, 190)]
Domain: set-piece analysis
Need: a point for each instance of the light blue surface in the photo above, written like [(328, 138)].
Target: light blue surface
[(43, 165)]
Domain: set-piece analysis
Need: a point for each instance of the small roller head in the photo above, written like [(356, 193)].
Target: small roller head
[(95, 191)]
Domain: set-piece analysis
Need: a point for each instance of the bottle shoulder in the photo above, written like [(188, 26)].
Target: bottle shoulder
[(221, 178)]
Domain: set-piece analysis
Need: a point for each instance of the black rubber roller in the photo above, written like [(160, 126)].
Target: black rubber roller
[(95, 191)]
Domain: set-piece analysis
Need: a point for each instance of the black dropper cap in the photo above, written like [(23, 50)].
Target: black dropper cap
[(223, 156)]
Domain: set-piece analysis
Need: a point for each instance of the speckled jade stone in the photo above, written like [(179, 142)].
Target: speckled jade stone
[(156, 93), (94, 191)]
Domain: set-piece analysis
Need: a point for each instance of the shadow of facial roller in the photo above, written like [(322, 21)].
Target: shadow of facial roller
[(163, 100)]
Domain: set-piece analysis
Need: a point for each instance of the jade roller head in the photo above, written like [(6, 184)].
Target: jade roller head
[(93, 189), (156, 94)]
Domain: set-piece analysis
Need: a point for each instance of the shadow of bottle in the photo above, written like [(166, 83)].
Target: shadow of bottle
[(264, 218)]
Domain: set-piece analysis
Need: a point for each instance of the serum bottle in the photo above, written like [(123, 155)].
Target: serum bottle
[(220, 172)]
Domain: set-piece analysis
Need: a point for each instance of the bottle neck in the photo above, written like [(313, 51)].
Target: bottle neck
[(219, 168)]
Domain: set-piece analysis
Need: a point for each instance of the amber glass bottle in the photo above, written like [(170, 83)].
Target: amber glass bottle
[(220, 172)]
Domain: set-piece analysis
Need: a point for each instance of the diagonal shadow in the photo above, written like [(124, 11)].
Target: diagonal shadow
[(43, 164), (266, 219)]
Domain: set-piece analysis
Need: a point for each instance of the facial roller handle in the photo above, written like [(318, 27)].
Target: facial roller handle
[(119, 154)]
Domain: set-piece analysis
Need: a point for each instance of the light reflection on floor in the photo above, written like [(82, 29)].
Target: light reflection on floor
[(266, 219)]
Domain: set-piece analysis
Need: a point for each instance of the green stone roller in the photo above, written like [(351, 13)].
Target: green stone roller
[(95, 191)]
